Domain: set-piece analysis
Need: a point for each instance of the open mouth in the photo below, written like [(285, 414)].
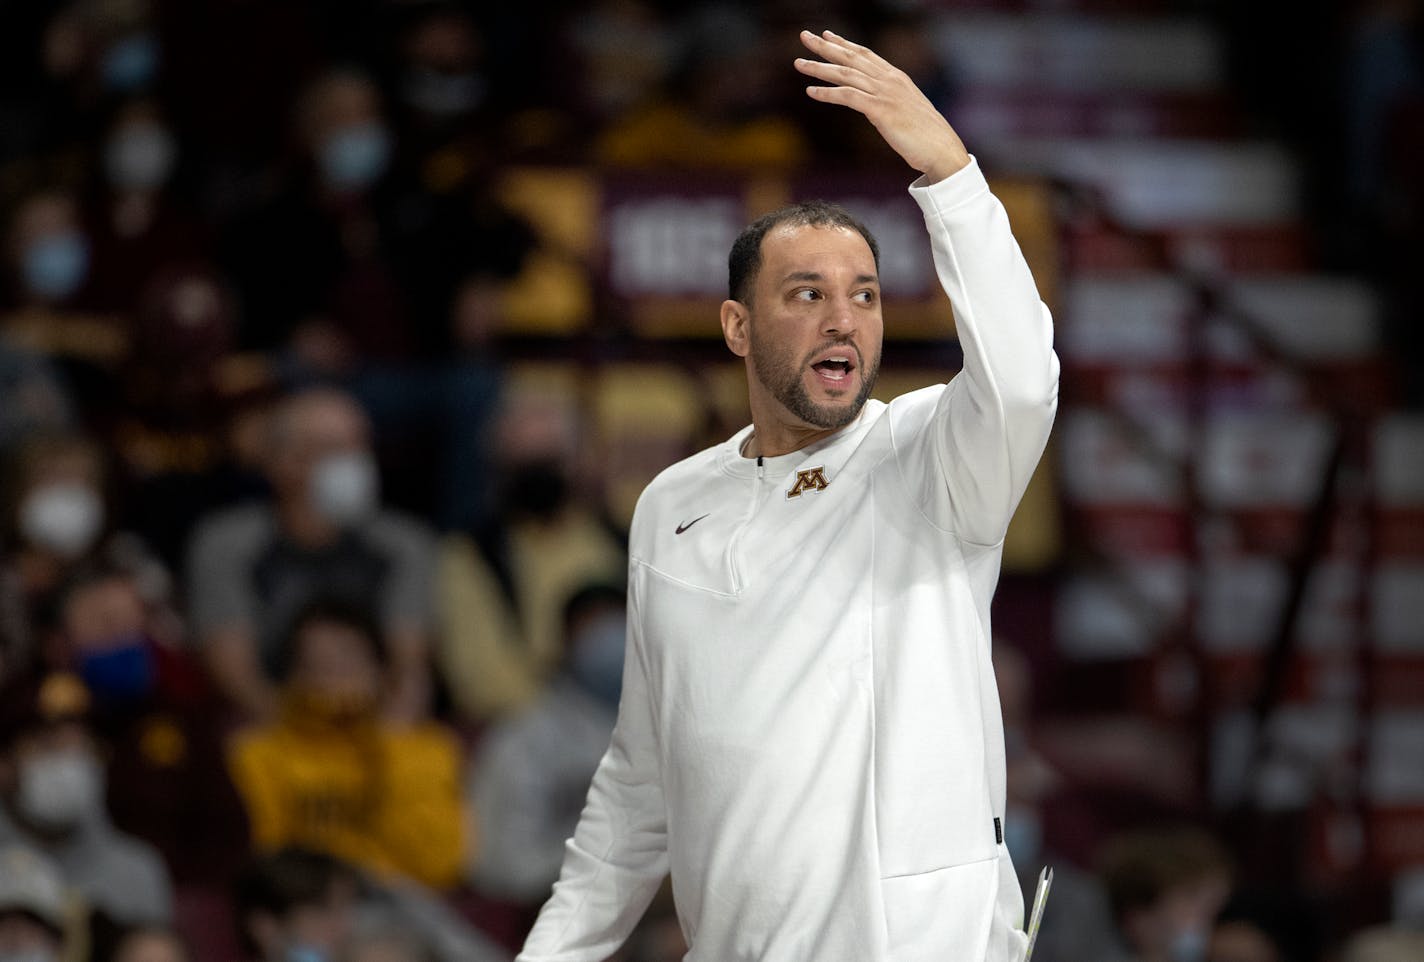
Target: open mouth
[(835, 368)]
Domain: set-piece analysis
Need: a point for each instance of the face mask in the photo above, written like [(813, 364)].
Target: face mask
[(305, 953), (539, 488), (442, 94), (60, 789), (1188, 945), (355, 157), (1023, 834), (121, 671), (55, 266), (130, 63), (63, 517), (345, 488), (140, 157), (596, 658)]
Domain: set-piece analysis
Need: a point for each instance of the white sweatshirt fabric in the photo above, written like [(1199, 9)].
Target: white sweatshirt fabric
[(809, 738)]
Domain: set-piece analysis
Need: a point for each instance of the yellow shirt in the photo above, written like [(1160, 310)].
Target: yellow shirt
[(386, 799)]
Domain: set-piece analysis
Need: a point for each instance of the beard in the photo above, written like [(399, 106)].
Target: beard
[(783, 377)]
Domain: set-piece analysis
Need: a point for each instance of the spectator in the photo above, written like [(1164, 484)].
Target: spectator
[(533, 773), (50, 308), (1166, 886), (136, 226), (296, 905), (52, 788), (331, 774), (32, 907), (183, 398), (502, 588), (301, 905), (324, 534), (167, 782)]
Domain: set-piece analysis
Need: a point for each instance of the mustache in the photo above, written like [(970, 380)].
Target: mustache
[(832, 343)]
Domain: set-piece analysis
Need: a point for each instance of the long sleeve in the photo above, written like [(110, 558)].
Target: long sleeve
[(991, 423), (618, 856)]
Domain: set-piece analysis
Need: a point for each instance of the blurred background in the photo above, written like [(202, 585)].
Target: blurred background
[(338, 337)]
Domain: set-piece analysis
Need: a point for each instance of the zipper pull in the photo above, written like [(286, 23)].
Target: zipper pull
[(761, 468)]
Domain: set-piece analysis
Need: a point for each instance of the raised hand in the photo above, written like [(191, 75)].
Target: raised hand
[(862, 80)]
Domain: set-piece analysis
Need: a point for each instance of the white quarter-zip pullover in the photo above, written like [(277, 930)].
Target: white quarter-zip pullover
[(810, 739)]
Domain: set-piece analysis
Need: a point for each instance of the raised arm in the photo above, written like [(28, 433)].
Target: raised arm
[(972, 458)]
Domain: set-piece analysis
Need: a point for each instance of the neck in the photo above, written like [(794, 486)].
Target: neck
[(772, 437)]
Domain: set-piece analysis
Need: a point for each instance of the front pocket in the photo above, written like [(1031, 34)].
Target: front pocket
[(941, 915)]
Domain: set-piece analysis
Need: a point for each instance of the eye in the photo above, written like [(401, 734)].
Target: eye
[(865, 297), (807, 294)]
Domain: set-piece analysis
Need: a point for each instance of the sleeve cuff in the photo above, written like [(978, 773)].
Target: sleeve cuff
[(959, 188)]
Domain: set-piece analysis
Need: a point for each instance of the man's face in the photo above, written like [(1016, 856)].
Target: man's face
[(316, 427), (815, 325)]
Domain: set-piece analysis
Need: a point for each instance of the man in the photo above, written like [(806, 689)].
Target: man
[(809, 737), (251, 569)]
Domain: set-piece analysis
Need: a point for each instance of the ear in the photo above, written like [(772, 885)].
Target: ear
[(735, 319)]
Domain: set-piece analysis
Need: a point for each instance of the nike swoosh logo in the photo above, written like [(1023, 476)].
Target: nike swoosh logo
[(683, 527)]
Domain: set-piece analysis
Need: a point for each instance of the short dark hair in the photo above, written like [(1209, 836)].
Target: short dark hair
[(333, 609), (284, 881), (744, 261)]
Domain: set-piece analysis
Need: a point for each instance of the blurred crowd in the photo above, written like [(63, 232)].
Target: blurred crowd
[(311, 623)]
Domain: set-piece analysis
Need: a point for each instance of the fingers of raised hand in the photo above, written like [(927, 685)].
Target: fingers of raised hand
[(832, 72), (839, 50)]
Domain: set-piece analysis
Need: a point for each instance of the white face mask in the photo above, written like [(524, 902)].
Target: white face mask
[(345, 487), (64, 517), (59, 790)]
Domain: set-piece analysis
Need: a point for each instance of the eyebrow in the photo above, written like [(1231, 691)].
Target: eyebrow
[(815, 277)]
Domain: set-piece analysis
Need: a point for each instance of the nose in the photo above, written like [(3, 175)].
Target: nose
[(839, 319)]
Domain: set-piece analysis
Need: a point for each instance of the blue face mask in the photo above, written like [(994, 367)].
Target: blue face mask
[(355, 157), (305, 953), (1188, 945), (596, 661), (121, 672), (130, 63), (55, 265)]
